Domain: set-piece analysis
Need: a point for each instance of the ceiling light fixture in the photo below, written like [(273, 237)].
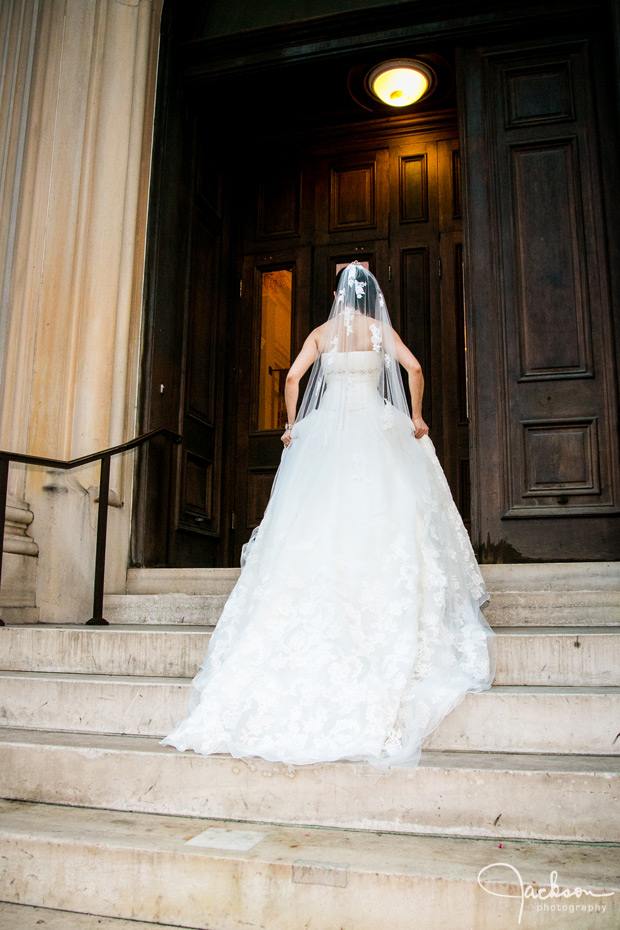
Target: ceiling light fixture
[(400, 81)]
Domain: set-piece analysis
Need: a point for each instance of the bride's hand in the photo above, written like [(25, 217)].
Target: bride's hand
[(286, 437), (420, 427)]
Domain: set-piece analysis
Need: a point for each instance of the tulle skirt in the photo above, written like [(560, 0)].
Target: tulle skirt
[(355, 626)]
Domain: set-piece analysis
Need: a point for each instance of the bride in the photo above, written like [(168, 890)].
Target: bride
[(355, 626)]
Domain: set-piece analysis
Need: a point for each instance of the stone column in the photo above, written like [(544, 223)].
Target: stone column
[(73, 318), (19, 21)]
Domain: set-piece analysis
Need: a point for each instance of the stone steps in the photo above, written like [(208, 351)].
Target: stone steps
[(553, 609), (557, 594), (525, 578), (206, 873), (181, 580), (521, 795), (167, 650), (95, 827), (502, 719), (166, 609), (546, 594), (579, 656), (506, 609), (553, 594)]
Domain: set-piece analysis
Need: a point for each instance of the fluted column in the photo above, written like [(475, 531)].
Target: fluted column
[(19, 20), (73, 306)]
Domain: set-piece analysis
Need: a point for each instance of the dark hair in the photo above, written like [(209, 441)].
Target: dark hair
[(338, 277), (371, 292)]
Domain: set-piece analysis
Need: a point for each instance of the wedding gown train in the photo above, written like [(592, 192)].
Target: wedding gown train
[(355, 626)]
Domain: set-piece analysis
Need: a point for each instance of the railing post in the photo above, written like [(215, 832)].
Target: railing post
[(4, 483), (105, 457), (97, 618)]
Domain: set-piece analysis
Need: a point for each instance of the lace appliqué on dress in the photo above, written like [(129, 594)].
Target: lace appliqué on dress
[(355, 625), (375, 335), (388, 415)]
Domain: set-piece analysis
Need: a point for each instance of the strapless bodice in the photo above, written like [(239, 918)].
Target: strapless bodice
[(351, 380)]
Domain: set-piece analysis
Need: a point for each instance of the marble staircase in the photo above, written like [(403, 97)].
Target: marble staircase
[(101, 826)]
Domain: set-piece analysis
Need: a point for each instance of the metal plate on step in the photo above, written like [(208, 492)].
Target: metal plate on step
[(222, 838)]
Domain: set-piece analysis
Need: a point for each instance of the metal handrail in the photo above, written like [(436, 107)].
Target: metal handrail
[(105, 456)]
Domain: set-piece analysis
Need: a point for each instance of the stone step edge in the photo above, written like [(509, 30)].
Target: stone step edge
[(474, 760), (180, 629), (159, 628), (338, 877), (503, 595), (31, 917), (138, 824), (500, 599), (602, 607), (450, 792), (570, 690), (507, 577), (163, 597), (207, 609)]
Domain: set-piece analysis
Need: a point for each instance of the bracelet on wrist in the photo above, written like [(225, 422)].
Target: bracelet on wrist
[(288, 426)]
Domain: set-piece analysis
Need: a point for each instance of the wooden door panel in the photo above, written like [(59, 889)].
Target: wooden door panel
[(552, 294), (351, 197), (275, 197), (196, 530), (449, 181), (455, 387), (541, 320), (413, 187), (278, 206), (414, 208), (549, 239), (455, 401), (425, 208), (417, 311), (184, 358), (414, 254), (201, 452)]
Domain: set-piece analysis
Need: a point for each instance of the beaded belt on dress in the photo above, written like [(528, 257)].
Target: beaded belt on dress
[(352, 371)]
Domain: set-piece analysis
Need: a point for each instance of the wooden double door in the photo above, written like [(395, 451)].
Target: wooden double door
[(392, 203), (245, 236)]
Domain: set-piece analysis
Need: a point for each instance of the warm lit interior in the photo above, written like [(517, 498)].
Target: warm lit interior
[(275, 346)]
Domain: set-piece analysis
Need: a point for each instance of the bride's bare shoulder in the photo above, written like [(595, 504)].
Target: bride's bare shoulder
[(319, 332)]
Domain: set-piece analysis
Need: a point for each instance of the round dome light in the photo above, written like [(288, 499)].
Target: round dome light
[(400, 82)]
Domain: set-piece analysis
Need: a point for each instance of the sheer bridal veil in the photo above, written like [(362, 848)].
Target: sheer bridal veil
[(356, 373), (358, 322)]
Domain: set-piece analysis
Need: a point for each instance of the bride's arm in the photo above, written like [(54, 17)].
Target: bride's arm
[(416, 383), (296, 372)]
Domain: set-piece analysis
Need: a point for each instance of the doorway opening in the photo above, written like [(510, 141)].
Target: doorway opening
[(273, 198)]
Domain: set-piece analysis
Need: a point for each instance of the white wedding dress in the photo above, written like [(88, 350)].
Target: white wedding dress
[(355, 626)]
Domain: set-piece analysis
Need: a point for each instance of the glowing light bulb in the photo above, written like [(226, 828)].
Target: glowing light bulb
[(399, 84)]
